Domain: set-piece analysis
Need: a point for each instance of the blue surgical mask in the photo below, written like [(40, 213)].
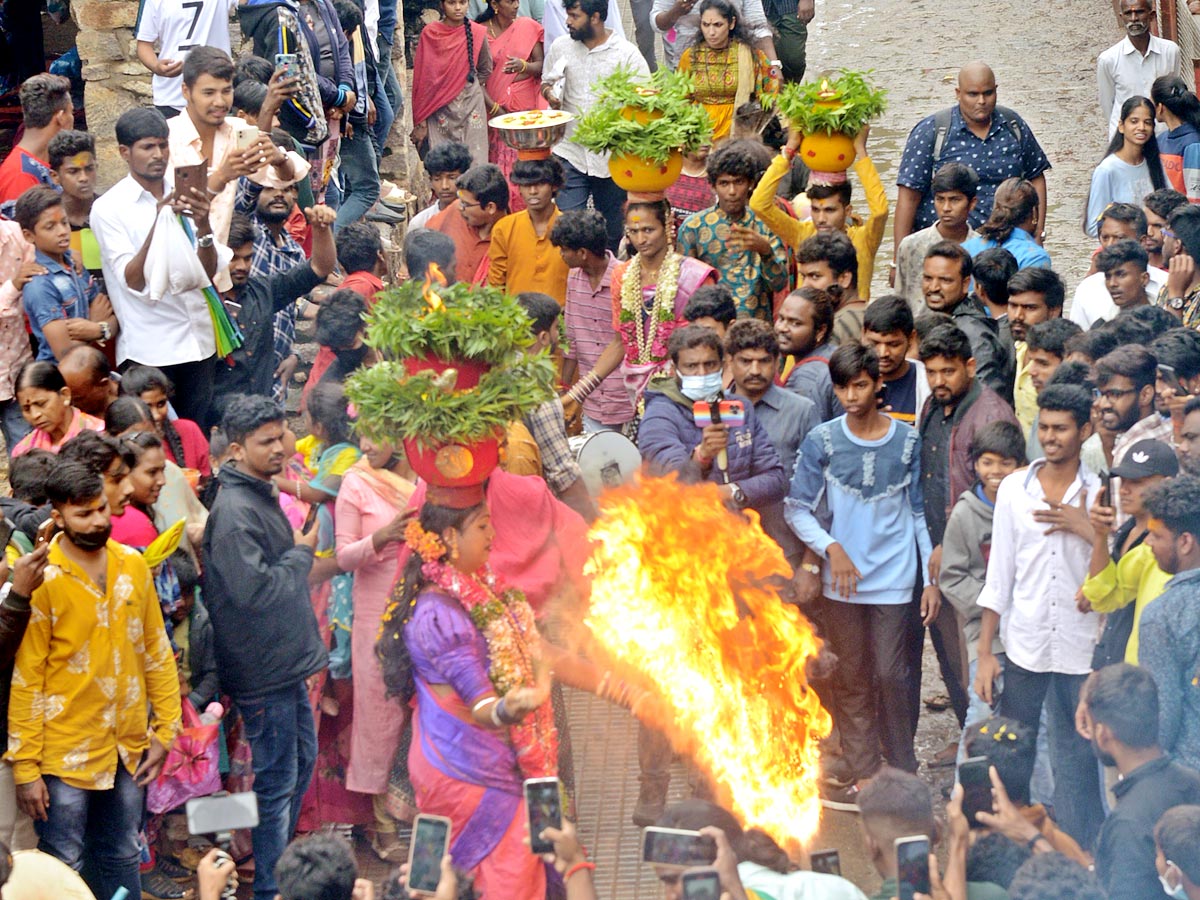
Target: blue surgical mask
[(700, 387), (1175, 893)]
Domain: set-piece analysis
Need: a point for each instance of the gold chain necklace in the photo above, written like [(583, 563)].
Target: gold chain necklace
[(664, 292)]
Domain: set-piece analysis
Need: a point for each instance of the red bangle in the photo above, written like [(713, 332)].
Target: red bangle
[(789, 153), (575, 868)]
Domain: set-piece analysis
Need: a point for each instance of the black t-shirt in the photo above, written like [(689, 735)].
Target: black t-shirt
[(901, 396)]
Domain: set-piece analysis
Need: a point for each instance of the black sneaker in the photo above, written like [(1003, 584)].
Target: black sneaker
[(157, 886), (172, 868), (843, 798)]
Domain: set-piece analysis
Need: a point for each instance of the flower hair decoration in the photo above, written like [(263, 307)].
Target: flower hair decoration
[(424, 543)]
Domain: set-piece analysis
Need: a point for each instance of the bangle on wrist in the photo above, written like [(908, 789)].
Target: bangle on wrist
[(496, 720), (579, 866), (1032, 842), (789, 153)]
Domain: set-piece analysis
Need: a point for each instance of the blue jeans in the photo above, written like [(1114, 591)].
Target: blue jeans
[(1041, 785), (595, 426), (359, 177), (283, 744), (606, 197), (100, 827), (387, 76), (12, 424), (384, 116)]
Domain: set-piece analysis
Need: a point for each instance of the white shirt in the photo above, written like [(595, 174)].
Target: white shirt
[(1092, 300), (421, 219), (572, 71), (1032, 578), (1122, 72), (798, 885), (173, 330), (177, 26), (554, 20)]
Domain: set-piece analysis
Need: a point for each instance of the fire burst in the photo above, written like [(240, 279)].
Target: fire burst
[(682, 595)]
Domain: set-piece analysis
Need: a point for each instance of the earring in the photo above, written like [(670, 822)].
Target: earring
[(453, 545)]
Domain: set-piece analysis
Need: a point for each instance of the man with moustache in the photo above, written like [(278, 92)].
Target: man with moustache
[(257, 583), (946, 284), (1129, 67), (804, 327)]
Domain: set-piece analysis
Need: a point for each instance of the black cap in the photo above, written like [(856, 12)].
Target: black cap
[(1146, 458)]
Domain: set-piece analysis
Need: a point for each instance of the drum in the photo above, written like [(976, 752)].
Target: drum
[(607, 459)]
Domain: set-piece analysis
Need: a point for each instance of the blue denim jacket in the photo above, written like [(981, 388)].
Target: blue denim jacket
[(59, 294)]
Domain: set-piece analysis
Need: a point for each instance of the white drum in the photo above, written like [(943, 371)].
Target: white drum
[(607, 459)]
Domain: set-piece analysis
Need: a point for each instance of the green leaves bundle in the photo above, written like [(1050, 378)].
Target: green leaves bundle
[(682, 124), (857, 103)]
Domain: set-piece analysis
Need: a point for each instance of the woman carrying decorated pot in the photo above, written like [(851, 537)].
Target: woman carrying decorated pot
[(452, 64), (515, 43), (726, 69), (650, 292)]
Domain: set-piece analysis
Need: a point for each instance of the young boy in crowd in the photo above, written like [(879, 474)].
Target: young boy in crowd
[(997, 450), (522, 255), (1045, 350), (27, 507), (73, 161), (888, 326), (443, 164), (954, 187), (1125, 266), (64, 306)]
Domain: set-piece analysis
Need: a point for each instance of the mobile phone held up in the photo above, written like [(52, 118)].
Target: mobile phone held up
[(827, 862), (700, 884), (1171, 377), (543, 801), (977, 788), (222, 813), (311, 519), (912, 866), (430, 842), (673, 848), (45, 531), (287, 62)]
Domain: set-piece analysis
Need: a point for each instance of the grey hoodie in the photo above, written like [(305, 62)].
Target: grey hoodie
[(965, 550)]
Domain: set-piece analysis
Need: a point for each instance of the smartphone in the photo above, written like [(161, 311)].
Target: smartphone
[(1104, 498), (543, 801), (701, 884), (430, 842), (677, 849), (245, 136), (45, 531), (827, 862), (977, 788), (187, 177), (222, 812), (1171, 377), (6, 530), (912, 866), (287, 62), (728, 412), (311, 519)]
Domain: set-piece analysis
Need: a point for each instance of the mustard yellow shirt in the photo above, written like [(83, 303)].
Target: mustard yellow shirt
[(1024, 393), (1135, 578), (866, 237), (521, 261), (89, 664)]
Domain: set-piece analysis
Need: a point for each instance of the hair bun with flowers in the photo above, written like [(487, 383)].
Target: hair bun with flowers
[(424, 543)]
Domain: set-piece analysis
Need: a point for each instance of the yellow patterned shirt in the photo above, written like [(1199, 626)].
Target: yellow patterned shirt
[(90, 664)]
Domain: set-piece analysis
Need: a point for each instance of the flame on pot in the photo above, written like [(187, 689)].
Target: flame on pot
[(682, 594), (826, 92), (431, 296)]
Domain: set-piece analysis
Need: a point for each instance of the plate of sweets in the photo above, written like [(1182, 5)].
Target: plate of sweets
[(532, 132)]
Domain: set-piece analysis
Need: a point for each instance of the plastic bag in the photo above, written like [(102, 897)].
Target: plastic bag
[(172, 265), (191, 769)]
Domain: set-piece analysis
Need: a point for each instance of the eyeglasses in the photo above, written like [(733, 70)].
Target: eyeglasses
[(1112, 393), (466, 204), (1167, 232)]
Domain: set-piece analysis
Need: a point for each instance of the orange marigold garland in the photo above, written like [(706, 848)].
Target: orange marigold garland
[(424, 543)]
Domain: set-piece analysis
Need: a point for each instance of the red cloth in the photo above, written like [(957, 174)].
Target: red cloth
[(19, 172), (195, 447), (365, 284), (469, 248), (133, 528), (441, 66), (517, 41)]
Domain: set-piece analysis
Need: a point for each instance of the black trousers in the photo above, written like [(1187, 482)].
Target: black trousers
[(1077, 802), (193, 388), (871, 683)]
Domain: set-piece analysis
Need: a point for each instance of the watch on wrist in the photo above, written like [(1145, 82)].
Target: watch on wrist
[(105, 332), (810, 568), (1175, 303), (739, 496), (204, 241)]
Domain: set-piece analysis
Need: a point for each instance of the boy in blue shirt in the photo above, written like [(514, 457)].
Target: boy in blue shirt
[(63, 306), (861, 473)]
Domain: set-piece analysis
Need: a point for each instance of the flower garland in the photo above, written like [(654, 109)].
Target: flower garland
[(505, 620), (649, 339), (425, 544)]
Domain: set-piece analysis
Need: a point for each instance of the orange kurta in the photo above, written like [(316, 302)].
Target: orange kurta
[(521, 261)]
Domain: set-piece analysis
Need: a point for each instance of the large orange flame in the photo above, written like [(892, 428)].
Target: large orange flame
[(431, 296), (682, 594)]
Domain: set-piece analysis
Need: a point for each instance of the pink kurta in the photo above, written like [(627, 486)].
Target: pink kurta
[(378, 720)]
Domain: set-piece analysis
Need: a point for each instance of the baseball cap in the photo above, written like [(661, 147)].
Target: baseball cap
[(1146, 458)]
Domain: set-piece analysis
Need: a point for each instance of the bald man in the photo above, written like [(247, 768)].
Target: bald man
[(93, 387), (991, 139)]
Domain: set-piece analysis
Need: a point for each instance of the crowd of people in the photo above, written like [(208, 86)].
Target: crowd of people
[(953, 447)]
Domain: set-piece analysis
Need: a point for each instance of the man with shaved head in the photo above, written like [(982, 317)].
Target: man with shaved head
[(93, 387), (992, 140)]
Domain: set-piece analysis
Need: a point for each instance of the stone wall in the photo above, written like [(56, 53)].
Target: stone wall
[(116, 81)]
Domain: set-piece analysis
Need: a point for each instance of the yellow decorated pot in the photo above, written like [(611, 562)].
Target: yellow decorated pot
[(641, 116), (827, 151), (634, 173)]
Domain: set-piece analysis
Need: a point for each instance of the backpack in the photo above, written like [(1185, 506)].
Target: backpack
[(941, 125)]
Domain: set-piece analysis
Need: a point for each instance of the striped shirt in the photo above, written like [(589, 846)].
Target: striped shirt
[(588, 320)]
